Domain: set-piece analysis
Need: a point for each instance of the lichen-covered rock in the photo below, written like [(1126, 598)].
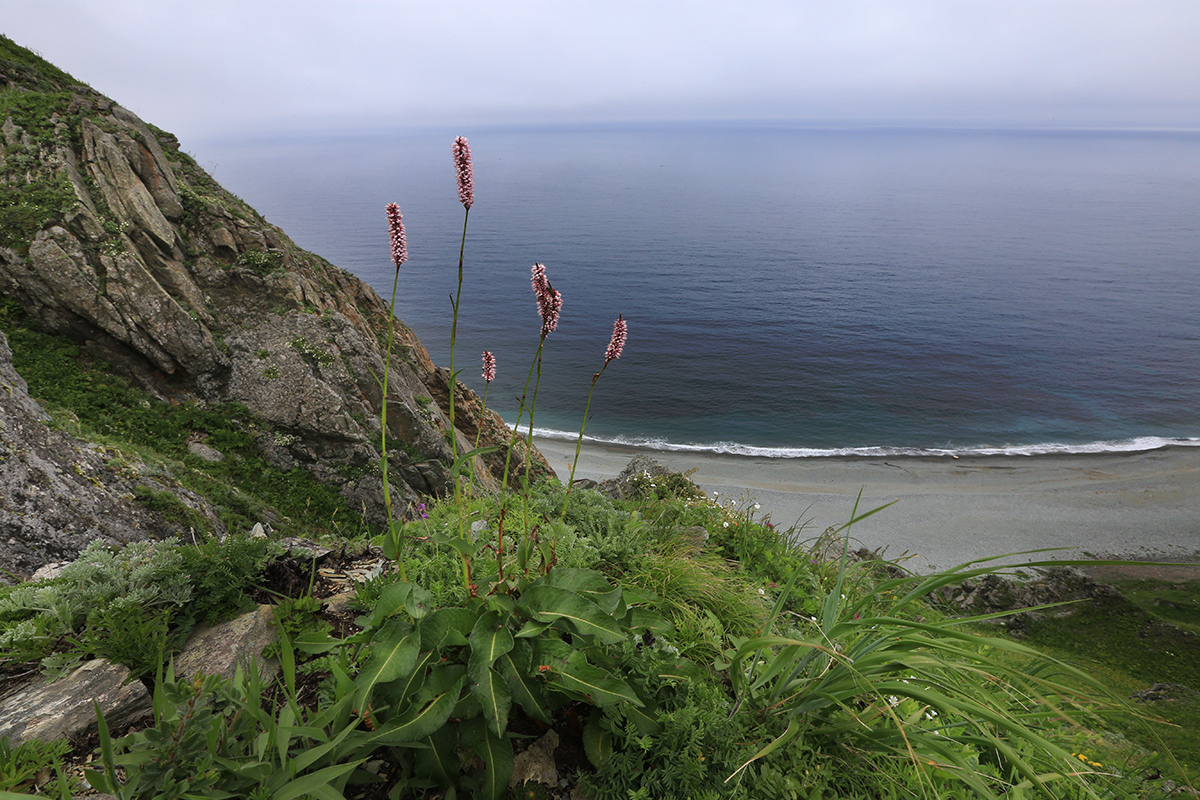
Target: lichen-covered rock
[(67, 707)]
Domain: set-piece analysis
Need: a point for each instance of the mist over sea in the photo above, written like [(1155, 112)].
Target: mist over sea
[(789, 290)]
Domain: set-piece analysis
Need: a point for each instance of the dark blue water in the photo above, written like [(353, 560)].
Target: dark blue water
[(788, 291)]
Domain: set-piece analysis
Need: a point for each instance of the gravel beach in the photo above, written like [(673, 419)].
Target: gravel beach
[(1144, 506)]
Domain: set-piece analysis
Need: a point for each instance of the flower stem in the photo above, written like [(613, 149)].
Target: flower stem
[(383, 458), (579, 442)]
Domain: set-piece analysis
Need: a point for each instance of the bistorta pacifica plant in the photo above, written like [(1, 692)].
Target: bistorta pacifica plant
[(399, 247), (615, 345)]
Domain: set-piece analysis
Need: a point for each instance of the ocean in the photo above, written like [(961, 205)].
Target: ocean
[(790, 291)]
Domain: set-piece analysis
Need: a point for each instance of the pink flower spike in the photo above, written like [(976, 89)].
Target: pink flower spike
[(489, 366), (538, 280), (553, 308), (466, 173), (549, 300), (617, 343), (396, 234)]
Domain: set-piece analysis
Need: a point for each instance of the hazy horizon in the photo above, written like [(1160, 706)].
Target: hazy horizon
[(267, 67)]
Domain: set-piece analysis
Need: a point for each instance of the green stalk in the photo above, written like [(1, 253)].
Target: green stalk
[(383, 458), (478, 437), (579, 442), (453, 336), (529, 442), (537, 360)]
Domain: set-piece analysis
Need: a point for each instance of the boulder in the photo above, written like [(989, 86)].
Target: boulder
[(619, 487), (67, 707)]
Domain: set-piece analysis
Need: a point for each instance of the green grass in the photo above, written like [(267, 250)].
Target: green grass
[(1130, 645), (33, 69)]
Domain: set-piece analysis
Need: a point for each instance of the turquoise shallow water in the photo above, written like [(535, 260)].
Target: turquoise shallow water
[(789, 291)]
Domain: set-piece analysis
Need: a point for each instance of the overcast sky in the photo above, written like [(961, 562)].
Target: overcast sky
[(209, 67)]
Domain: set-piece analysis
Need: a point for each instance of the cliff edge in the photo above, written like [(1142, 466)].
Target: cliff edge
[(112, 236)]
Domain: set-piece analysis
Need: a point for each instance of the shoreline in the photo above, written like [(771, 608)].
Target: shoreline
[(1137, 505)]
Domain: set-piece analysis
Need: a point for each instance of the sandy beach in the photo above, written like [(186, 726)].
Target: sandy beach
[(951, 510)]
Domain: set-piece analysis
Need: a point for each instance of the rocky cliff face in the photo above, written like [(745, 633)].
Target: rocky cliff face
[(111, 235)]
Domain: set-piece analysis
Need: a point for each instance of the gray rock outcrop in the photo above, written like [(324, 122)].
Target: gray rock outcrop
[(57, 493), (125, 245)]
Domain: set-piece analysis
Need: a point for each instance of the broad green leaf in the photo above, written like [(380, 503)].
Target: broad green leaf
[(549, 603), (647, 725), (393, 656), (551, 653), (490, 639), (448, 627), (492, 693), (597, 742), (412, 727), (532, 628), (598, 685), (497, 756), (284, 729), (417, 603), (587, 583), (441, 677), (461, 544), (515, 667), (316, 643), (644, 619), (440, 761), (636, 595), (402, 688), (390, 601)]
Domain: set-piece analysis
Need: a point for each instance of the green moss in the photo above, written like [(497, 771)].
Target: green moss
[(171, 508), (242, 486), (410, 450)]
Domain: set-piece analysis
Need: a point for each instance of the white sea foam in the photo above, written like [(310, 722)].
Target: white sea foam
[(1135, 445)]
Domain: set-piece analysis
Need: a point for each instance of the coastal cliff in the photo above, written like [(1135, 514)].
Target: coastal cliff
[(114, 238)]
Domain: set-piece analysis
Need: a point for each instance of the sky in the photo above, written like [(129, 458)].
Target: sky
[(219, 68)]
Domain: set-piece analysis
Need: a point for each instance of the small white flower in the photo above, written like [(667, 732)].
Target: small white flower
[(930, 714), (726, 524), (757, 506), (760, 591), (716, 494), (893, 700)]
